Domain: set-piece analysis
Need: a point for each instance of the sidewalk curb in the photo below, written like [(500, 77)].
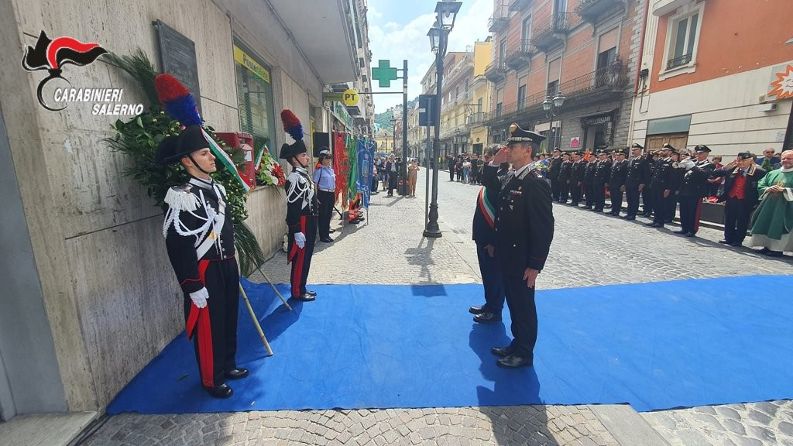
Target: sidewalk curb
[(627, 426)]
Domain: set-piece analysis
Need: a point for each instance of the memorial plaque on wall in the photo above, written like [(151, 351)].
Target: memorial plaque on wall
[(177, 57)]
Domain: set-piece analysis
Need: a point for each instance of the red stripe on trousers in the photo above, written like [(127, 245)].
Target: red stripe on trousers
[(297, 270), (199, 318), (697, 215)]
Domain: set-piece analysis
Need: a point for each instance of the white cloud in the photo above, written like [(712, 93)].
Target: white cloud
[(396, 42)]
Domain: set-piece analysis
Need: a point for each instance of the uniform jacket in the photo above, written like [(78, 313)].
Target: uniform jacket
[(301, 198), (695, 180), (662, 174), (638, 172), (619, 174), (196, 228), (483, 232), (566, 171), (589, 172), (753, 176), (524, 222), (554, 168), (602, 172), (579, 170)]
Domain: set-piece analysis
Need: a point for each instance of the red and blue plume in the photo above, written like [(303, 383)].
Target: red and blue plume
[(292, 125), (177, 100)]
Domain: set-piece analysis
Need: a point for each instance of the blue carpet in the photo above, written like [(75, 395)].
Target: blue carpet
[(655, 346)]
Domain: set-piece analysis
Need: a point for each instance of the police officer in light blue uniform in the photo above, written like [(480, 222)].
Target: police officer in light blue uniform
[(325, 179)]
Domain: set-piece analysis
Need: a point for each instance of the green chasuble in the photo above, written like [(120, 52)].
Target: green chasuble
[(772, 222)]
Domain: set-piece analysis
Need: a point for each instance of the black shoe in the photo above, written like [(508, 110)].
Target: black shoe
[(681, 232), (326, 240), (651, 224), (771, 253), (735, 244), (503, 351), (311, 293), (237, 373), (615, 214), (477, 310), (690, 234), (725, 242), (221, 391), (304, 297), (487, 317), (657, 225), (629, 217), (514, 361)]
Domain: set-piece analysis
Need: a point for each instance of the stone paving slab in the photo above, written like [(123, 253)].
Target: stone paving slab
[(588, 249)]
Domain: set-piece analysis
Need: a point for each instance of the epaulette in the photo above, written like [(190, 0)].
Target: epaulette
[(181, 198)]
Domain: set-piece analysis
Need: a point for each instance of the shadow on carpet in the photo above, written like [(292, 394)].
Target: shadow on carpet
[(656, 346)]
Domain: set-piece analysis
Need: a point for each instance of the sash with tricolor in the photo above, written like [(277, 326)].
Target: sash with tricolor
[(486, 207)]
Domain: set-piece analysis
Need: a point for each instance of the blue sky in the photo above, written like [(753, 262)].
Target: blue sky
[(398, 30)]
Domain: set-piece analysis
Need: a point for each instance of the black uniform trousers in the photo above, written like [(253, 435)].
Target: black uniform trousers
[(671, 207), (599, 196), (575, 192), (556, 189), (522, 310), (301, 258), (647, 200), (632, 196), (326, 199), (590, 195), (492, 280), (690, 209), (660, 206), (215, 336), (736, 219), (616, 200), (564, 190)]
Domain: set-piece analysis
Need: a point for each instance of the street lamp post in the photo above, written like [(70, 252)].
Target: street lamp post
[(445, 13), (551, 105)]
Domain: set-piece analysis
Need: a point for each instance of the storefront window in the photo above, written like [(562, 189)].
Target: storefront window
[(255, 98)]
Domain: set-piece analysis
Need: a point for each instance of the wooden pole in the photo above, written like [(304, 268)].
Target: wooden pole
[(278, 293), (256, 322)]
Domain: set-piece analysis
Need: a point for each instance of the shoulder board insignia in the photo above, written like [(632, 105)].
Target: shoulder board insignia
[(181, 198)]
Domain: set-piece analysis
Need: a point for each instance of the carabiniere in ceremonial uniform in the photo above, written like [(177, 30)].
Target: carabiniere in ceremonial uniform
[(524, 231), (199, 237)]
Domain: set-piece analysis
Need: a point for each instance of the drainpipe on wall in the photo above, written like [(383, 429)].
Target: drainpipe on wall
[(638, 69)]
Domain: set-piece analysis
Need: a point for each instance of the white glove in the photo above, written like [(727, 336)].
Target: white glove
[(687, 164), (300, 239), (200, 297)]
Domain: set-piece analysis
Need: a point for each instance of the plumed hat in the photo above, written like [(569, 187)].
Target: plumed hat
[(292, 126), (180, 105)]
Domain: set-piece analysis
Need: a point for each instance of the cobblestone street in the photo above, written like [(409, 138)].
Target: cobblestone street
[(588, 249)]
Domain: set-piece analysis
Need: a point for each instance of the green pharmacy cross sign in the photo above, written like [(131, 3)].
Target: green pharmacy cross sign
[(384, 73)]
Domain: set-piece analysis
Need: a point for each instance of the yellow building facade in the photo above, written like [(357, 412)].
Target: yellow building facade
[(480, 97)]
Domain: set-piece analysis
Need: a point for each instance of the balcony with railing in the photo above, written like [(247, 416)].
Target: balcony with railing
[(519, 5), (520, 56), (475, 118), (552, 31), (499, 21), (496, 71), (594, 10), (597, 85), (678, 61)]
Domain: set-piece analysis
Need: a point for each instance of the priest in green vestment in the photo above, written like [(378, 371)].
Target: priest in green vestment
[(772, 222)]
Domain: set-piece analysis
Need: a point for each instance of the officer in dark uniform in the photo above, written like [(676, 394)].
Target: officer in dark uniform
[(565, 174), (577, 178), (693, 188), (524, 230), (484, 235), (647, 193), (619, 174), (199, 237), (302, 210), (661, 184), (636, 179), (589, 183), (602, 173), (553, 173)]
